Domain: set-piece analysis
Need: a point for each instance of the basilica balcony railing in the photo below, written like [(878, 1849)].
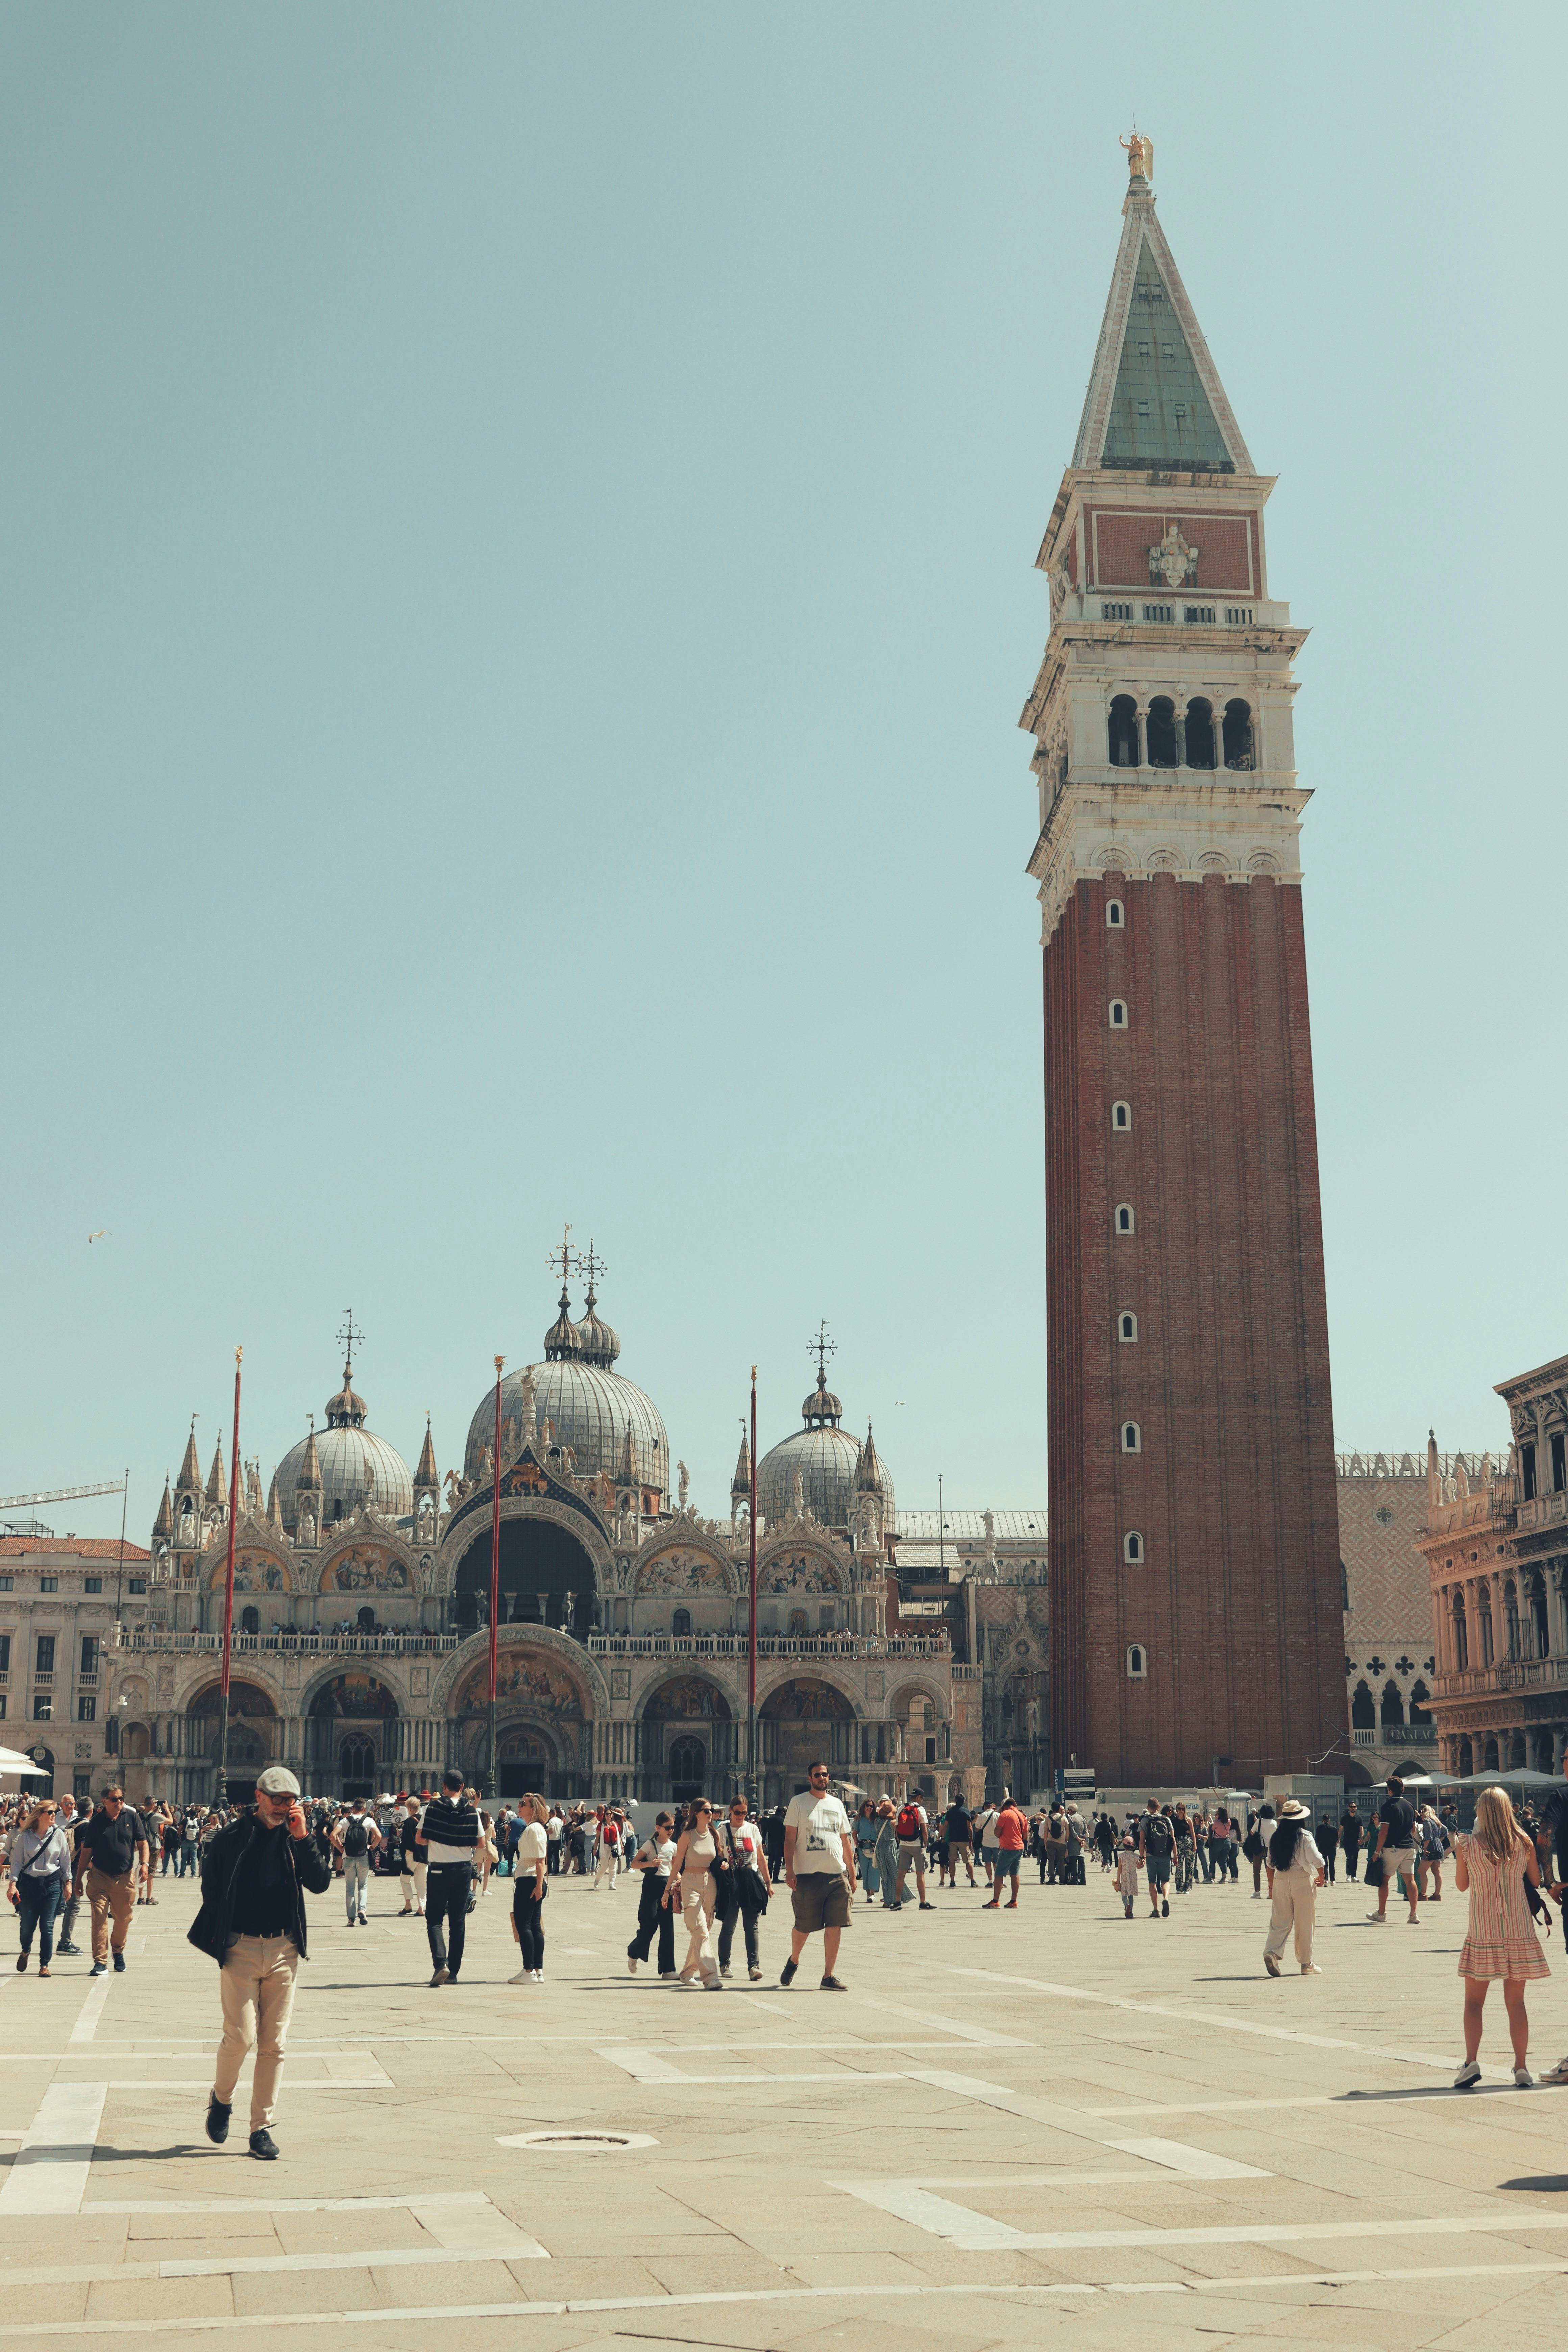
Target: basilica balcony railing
[(1511, 1674), (149, 1640), (1543, 1511), (768, 1645)]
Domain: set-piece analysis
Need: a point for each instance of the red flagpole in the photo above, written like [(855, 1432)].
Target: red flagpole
[(228, 1598), (752, 1643), (495, 1582)]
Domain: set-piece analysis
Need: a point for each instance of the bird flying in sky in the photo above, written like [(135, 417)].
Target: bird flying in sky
[(100, 1235)]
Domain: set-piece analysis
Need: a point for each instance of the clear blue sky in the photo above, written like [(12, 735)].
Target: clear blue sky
[(517, 597)]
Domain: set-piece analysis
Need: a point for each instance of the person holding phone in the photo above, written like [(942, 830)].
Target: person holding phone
[(252, 1922)]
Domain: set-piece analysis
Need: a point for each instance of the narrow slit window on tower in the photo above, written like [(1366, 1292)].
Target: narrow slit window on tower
[(1121, 1116), (1117, 1013), (1132, 1438), (1132, 1546), (1115, 915), (1137, 1663), (1126, 1326), (1124, 1218)]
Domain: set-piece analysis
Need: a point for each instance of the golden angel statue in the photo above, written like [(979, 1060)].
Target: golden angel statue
[(1140, 155)]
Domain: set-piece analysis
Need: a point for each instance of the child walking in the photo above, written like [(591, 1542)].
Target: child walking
[(1492, 1865), (1127, 1875)]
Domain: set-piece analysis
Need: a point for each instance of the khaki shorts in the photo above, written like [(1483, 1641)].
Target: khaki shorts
[(821, 1899), (1401, 1858)]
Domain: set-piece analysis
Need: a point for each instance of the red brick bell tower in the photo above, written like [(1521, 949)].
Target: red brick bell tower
[(1194, 1552)]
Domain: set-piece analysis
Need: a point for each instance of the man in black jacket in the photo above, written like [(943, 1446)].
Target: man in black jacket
[(252, 1922)]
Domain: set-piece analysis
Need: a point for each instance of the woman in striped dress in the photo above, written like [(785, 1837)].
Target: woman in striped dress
[(1492, 1865)]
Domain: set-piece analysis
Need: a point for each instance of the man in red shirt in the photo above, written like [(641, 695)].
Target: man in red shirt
[(1012, 1831)]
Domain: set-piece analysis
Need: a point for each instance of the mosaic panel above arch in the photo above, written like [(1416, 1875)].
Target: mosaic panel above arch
[(681, 1569), (807, 1698), (366, 1568), (687, 1698), (254, 1571), (526, 1675), (799, 1570)]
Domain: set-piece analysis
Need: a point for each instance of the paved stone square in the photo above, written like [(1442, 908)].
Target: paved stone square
[(1010, 2125)]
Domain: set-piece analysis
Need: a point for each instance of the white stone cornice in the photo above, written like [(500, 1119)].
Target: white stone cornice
[(1245, 826)]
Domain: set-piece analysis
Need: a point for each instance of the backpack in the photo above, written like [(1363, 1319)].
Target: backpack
[(356, 1838), (909, 1823), (1157, 1837)]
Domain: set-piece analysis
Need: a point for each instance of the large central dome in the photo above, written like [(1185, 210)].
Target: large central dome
[(829, 1461), (606, 1419)]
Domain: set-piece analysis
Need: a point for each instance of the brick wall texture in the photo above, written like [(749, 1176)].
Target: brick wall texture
[(1124, 541), (1237, 1600)]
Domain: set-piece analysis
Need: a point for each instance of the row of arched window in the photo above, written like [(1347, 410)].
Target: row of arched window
[(1162, 736)]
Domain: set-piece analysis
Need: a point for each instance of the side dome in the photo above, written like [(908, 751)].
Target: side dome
[(355, 1466)]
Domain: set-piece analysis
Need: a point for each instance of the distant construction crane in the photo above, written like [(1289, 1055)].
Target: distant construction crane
[(58, 1495)]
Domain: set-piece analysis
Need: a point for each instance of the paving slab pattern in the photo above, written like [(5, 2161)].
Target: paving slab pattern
[(1054, 2123)]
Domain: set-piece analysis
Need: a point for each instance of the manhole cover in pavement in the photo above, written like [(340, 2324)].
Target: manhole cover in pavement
[(578, 2143)]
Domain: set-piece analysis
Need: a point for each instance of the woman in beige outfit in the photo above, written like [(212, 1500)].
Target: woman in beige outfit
[(694, 1888)]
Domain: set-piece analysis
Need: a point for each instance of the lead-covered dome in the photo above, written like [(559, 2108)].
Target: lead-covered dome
[(355, 1465), (606, 1419), (828, 1460)]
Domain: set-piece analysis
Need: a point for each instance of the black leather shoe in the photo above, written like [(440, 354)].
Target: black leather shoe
[(218, 2119), (263, 2145)]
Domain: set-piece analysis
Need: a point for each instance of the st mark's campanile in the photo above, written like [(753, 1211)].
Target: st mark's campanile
[(1196, 1617)]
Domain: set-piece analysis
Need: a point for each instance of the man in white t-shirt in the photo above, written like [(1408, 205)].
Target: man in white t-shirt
[(819, 1871), (986, 1822)]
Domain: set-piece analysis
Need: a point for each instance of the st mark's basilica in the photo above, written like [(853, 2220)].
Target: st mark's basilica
[(362, 1602)]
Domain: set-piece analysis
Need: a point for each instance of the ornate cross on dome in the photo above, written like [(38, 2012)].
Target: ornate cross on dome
[(563, 1261), (592, 1266), (820, 1346), (346, 1338)]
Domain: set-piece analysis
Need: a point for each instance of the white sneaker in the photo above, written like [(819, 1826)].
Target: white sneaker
[(1558, 2073), (539, 1976), (1378, 1919), (1311, 1969), (1522, 2079), (523, 1976), (1468, 2073)]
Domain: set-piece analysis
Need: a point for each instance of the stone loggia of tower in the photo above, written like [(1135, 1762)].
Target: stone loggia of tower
[(1196, 1629)]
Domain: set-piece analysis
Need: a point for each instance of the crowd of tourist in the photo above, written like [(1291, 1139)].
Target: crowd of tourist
[(715, 1870)]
